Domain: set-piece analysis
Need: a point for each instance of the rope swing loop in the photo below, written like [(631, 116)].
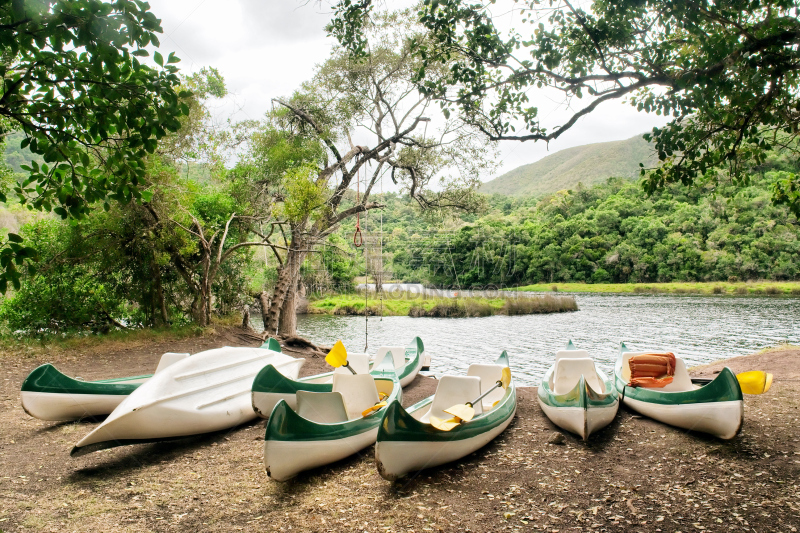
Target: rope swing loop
[(358, 238)]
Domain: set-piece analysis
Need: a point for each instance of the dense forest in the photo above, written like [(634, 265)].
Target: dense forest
[(615, 233)]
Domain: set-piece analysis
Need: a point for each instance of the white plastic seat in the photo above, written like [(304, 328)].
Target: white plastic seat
[(358, 361), (453, 390), (572, 354), (568, 372), (398, 355), (322, 407), (681, 381), (489, 375), (358, 392), (170, 358)]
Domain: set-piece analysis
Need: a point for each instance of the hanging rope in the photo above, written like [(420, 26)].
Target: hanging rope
[(380, 250), (366, 284), (358, 238)]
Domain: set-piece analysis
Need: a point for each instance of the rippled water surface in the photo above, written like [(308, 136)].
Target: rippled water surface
[(700, 329)]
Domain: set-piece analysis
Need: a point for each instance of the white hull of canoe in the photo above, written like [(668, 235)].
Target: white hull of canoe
[(721, 419), (265, 402), (580, 421), (60, 407), (209, 391), (285, 459), (395, 459)]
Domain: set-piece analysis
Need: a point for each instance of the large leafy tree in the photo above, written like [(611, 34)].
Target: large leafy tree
[(308, 159), (727, 73), (73, 83)]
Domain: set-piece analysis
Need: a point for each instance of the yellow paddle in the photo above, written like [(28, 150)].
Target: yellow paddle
[(465, 412), (751, 382), (755, 381), (338, 357)]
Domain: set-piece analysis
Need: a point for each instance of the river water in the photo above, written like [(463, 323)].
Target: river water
[(699, 329)]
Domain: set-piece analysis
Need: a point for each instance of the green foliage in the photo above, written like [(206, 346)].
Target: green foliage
[(725, 72), (610, 233), (87, 106), (66, 295), (304, 195)]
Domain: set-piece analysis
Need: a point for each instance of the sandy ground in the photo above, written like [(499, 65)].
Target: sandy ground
[(636, 475)]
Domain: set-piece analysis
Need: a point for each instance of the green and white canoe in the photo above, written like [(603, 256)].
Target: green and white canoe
[(327, 426), (48, 394), (575, 395), (716, 408), (407, 442), (270, 386)]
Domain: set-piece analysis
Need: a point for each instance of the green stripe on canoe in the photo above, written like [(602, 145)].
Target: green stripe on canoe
[(286, 425), (414, 351), (399, 425), (47, 378), (269, 380), (724, 388), (272, 344), (582, 395)]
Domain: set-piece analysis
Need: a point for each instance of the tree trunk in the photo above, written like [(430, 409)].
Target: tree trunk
[(287, 281), (159, 297), (288, 321), (246, 317), (263, 300)]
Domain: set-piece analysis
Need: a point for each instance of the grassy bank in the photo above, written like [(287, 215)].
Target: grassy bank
[(115, 340), (419, 306), (751, 288)]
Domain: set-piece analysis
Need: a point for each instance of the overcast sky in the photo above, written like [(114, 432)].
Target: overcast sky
[(266, 48)]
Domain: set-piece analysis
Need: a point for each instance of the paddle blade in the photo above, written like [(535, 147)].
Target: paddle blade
[(462, 411), (337, 356), (755, 381), (506, 377), (444, 425), (374, 408)]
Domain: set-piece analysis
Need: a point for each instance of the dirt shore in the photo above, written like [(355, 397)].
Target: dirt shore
[(636, 475)]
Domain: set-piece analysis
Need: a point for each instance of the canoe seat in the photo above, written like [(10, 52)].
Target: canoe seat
[(681, 381), (572, 354), (453, 390), (322, 407), (398, 355), (168, 359), (357, 390), (359, 362), (568, 372), (490, 375)]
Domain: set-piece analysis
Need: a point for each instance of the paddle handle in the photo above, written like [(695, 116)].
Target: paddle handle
[(485, 394), (348, 367)]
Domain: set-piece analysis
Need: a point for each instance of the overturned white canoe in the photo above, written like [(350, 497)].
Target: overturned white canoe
[(209, 391)]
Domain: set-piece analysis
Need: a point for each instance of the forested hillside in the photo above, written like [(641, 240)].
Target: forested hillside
[(615, 233), (590, 164)]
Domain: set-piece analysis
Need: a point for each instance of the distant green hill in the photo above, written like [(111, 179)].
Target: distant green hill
[(589, 164)]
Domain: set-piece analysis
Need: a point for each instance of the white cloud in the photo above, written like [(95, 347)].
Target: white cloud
[(267, 48)]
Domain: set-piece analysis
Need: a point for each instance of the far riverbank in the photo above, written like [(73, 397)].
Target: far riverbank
[(706, 288), (422, 305)]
